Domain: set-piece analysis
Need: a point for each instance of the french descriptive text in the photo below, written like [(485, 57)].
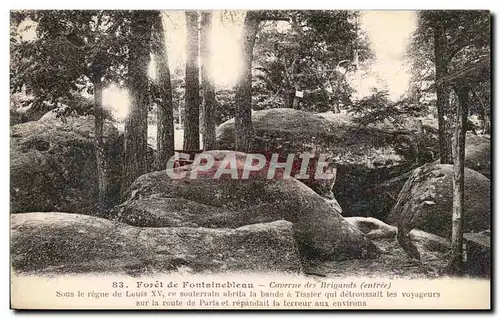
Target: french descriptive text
[(241, 295)]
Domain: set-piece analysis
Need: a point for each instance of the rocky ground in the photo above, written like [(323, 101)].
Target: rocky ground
[(232, 225), (393, 263)]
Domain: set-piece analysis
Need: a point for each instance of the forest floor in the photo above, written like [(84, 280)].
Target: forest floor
[(393, 263)]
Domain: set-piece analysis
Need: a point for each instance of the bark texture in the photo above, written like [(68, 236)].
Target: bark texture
[(208, 104), (136, 128), (457, 231), (100, 152), (165, 116), (192, 96), (442, 95), (243, 116)]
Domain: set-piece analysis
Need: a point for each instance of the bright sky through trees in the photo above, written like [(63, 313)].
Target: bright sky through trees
[(388, 33)]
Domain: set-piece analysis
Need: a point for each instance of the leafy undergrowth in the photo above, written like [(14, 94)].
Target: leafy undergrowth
[(393, 263)]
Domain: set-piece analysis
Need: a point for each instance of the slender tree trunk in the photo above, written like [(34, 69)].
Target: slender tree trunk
[(296, 100), (165, 115), (443, 108), (295, 64), (442, 96), (102, 180), (192, 95), (208, 104), (243, 96), (289, 98), (179, 109), (136, 128), (487, 124), (456, 263)]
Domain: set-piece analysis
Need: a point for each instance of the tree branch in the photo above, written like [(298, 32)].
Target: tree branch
[(471, 74), (99, 19), (458, 44)]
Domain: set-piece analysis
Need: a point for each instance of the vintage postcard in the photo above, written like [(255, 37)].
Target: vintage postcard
[(260, 159)]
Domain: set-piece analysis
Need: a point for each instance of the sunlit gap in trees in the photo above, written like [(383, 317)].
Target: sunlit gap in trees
[(116, 100), (225, 58), (388, 33)]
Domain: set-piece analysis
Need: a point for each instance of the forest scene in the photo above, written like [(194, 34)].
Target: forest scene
[(105, 104)]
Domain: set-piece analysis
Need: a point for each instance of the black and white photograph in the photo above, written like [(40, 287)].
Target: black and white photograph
[(250, 159)]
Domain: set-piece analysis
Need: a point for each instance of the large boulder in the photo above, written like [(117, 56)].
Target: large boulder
[(377, 230), (426, 201), (478, 154), (23, 110), (478, 250), (74, 243), (53, 166), (372, 227), (389, 142), (284, 131), (290, 130), (364, 155), (54, 114), (369, 156), (279, 128), (156, 200), (379, 199)]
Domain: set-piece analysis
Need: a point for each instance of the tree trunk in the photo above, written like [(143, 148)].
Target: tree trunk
[(243, 117), (179, 109), (487, 124), (192, 95), (289, 98), (165, 115), (102, 179), (296, 100), (295, 64), (443, 110), (208, 104), (136, 128), (442, 95), (456, 263)]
